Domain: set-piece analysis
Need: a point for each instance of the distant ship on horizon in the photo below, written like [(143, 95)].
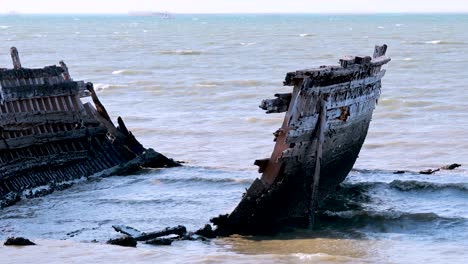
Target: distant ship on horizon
[(12, 13), (163, 15)]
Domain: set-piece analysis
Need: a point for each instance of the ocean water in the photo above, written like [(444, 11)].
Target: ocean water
[(190, 87)]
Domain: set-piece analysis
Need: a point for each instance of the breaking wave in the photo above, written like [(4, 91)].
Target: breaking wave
[(426, 186), (364, 218), (205, 180), (439, 42), (122, 201), (181, 52), (5, 27), (129, 72), (248, 43), (104, 86), (405, 186), (305, 35)]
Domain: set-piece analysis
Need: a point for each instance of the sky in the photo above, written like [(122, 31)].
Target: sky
[(232, 6)]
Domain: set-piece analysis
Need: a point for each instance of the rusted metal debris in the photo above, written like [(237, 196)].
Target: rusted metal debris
[(326, 121), (48, 136)]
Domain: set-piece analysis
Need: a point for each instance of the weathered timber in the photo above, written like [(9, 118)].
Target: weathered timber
[(125, 241), (18, 241), (319, 138), (178, 230), (278, 105), (326, 121), (48, 137), (29, 91), (41, 139), (25, 120), (15, 58), (127, 230), (166, 236), (159, 242)]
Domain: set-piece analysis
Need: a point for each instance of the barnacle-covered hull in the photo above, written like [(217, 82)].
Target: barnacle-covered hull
[(326, 122)]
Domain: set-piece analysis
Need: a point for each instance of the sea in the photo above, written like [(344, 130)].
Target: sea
[(189, 86)]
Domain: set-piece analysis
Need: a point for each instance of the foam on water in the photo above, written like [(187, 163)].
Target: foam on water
[(129, 72), (181, 52)]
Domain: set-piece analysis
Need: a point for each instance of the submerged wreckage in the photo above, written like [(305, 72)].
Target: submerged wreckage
[(48, 136), (326, 121)]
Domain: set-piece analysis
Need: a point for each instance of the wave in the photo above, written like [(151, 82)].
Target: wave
[(372, 217), (386, 221), (404, 186), (104, 86), (426, 186), (5, 27), (207, 84), (129, 72), (439, 42), (305, 35), (181, 52), (240, 83), (144, 202), (205, 180), (247, 43)]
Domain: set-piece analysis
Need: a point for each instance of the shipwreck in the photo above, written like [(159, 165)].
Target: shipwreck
[(326, 122), (49, 137)]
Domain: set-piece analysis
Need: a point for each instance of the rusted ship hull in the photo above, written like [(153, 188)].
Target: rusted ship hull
[(48, 136), (326, 122)]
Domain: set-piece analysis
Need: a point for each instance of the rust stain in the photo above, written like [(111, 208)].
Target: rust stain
[(344, 113)]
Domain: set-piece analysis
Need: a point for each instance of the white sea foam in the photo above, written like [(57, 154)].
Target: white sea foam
[(398, 25), (105, 86), (181, 52), (101, 86), (5, 27), (248, 43), (408, 59), (433, 42), (381, 27), (128, 72), (305, 35)]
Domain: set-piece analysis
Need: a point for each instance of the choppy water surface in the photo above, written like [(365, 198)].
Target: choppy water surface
[(190, 86)]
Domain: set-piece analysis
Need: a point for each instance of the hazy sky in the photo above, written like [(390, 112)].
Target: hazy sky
[(233, 6)]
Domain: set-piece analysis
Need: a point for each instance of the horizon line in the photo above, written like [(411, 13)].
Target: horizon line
[(143, 13)]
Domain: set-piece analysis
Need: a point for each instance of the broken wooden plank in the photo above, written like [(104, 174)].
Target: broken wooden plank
[(42, 90), (277, 105), (15, 58), (28, 119), (31, 140)]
